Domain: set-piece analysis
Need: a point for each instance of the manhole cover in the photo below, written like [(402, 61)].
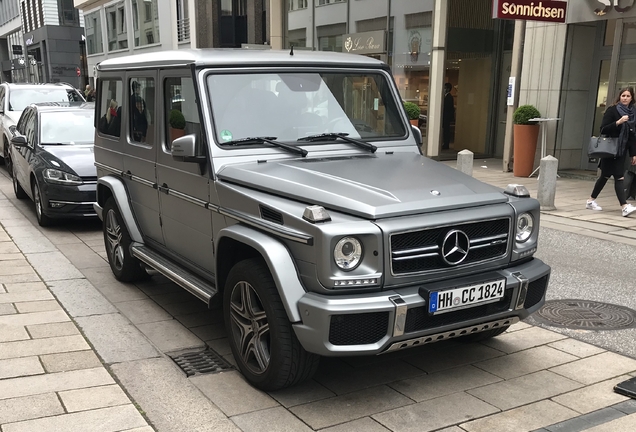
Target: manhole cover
[(200, 362), (585, 314)]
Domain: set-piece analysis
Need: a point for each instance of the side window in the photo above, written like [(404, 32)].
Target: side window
[(2, 97), (142, 104), (111, 91), (181, 114), (21, 127), (29, 127)]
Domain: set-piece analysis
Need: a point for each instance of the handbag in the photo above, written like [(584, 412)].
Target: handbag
[(603, 147)]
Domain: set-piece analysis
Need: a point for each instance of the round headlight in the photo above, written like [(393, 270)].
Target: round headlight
[(525, 226), (348, 253)]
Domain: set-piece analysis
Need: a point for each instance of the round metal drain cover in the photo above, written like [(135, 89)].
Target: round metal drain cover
[(585, 314)]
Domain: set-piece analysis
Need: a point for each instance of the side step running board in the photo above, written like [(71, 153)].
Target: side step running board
[(197, 286)]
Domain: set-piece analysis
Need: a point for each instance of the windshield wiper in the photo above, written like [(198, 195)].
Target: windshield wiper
[(268, 140), (341, 135)]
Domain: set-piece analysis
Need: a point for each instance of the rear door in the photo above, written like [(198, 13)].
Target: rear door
[(22, 155)]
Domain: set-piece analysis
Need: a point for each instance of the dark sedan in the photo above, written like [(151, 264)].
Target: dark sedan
[(53, 161)]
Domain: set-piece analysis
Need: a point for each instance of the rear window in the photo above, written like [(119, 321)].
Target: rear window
[(19, 99)]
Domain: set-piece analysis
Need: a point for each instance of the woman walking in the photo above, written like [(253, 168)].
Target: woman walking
[(619, 122)]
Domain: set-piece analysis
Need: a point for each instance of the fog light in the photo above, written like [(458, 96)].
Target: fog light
[(56, 204)]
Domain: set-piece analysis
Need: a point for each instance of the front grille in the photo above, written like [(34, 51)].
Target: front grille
[(536, 291), (419, 319), (420, 251), (358, 329)]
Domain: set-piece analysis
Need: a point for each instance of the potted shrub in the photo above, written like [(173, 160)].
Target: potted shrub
[(177, 124), (525, 136), (412, 112)]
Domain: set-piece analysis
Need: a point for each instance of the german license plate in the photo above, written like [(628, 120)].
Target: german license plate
[(460, 298)]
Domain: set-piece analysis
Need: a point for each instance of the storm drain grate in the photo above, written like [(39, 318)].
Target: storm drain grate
[(200, 362), (585, 314)]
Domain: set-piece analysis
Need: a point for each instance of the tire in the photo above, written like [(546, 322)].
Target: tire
[(263, 342), (476, 337), (125, 267), (7, 159), (17, 189), (43, 219)]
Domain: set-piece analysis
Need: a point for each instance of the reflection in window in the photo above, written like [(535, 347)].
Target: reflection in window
[(142, 104), (180, 110), (116, 27), (93, 26), (146, 25), (109, 106)]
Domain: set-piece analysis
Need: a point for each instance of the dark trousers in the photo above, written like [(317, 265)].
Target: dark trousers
[(446, 134), (611, 167)]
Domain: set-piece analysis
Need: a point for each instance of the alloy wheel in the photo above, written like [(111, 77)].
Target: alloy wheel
[(37, 200), (113, 234)]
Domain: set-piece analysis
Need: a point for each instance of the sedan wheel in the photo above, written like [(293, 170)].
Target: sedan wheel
[(43, 219), (17, 189)]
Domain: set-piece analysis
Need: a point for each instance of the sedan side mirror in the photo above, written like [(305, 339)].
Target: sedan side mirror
[(19, 141), (184, 149)]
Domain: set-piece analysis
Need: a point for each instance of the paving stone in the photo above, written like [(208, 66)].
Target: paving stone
[(593, 397), (12, 333), (7, 309), (522, 419), (122, 342), (597, 368), (366, 424), (525, 362), (9, 268), (54, 382), (11, 256), (231, 393), (34, 318), (352, 406), (29, 296), (435, 414), (8, 247), (141, 429), (627, 407), (626, 423), (25, 286), (444, 383), (518, 326), (525, 389), (270, 420), (103, 279), (29, 407), (82, 256), (523, 339), (32, 276), (42, 346), (30, 245), (186, 308), (170, 335), (38, 331), (38, 306), (143, 311), (200, 318), (76, 360), (171, 403), (24, 366), (101, 420), (93, 398), (53, 266), (220, 346), (577, 348), (80, 298), (586, 421), (302, 393), (210, 332), (452, 356)]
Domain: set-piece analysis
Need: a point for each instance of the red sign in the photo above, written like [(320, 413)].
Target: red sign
[(77, 71), (531, 10)]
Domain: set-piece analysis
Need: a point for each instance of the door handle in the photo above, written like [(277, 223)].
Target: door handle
[(163, 188), (128, 175)]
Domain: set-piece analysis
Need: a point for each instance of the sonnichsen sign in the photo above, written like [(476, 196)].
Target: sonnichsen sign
[(551, 11)]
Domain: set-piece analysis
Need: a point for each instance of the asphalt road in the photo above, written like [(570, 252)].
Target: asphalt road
[(586, 268)]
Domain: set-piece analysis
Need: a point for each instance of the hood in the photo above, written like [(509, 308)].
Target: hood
[(12, 116), (78, 159), (371, 186)]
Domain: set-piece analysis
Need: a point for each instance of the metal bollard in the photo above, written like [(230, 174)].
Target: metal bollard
[(547, 182), (465, 162)]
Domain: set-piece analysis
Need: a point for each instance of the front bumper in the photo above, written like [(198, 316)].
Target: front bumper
[(395, 319), (61, 201)]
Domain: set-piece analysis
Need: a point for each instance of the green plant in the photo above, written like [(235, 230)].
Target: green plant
[(524, 113), (412, 110), (177, 120)]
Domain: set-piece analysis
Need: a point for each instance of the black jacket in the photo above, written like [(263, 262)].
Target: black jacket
[(609, 128)]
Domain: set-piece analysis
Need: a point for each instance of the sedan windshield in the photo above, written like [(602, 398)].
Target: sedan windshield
[(290, 106), (67, 127), (21, 98)]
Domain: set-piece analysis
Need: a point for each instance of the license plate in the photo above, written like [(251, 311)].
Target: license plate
[(460, 298)]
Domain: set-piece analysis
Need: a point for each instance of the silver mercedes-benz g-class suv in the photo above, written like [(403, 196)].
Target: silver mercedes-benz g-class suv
[(290, 185)]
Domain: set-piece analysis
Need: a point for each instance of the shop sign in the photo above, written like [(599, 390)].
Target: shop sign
[(531, 10), (16, 49), (600, 10), (364, 43)]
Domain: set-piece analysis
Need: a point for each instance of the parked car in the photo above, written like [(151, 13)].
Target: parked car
[(15, 97), (297, 194), (53, 163)]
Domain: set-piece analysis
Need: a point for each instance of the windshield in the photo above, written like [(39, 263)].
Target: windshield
[(290, 106), (21, 98), (67, 127)]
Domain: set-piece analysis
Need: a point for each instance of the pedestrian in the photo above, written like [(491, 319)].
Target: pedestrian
[(448, 115), (619, 122), (89, 93)]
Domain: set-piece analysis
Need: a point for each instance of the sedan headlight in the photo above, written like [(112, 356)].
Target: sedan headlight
[(61, 177), (525, 226), (348, 253)]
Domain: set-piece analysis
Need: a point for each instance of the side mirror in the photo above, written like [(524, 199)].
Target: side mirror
[(19, 141), (184, 149)]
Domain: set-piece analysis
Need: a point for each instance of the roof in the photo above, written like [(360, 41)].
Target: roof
[(39, 85), (64, 106), (237, 57)]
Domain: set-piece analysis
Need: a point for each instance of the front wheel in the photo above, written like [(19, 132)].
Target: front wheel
[(43, 219), (125, 267), (17, 189), (263, 342)]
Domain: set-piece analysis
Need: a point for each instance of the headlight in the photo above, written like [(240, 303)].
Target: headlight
[(525, 226), (61, 177), (348, 253)]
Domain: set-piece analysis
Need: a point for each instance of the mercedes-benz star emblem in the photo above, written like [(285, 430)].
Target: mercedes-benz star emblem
[(455, 247)]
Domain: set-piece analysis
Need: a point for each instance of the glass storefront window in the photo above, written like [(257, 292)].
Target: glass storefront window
[(93, 26), (602, 96), (297, 4), (116, 27), (145, 22)]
